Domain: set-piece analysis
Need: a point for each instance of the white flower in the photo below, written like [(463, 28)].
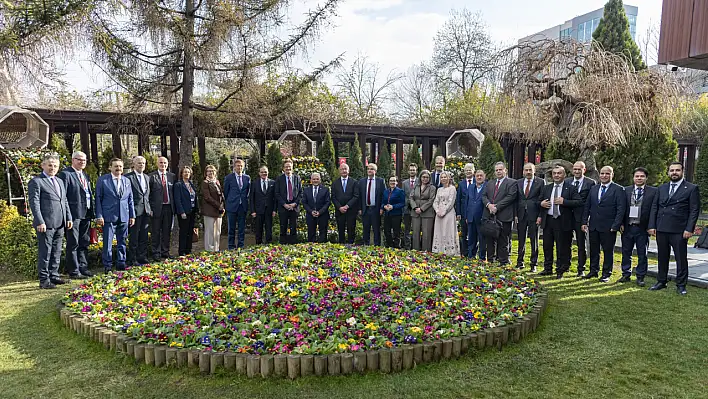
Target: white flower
[(491, 324), (351, 321), (256, 323)]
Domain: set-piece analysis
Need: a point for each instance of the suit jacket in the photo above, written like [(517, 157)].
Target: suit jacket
[(470, 205), (111, 206), (48, 206), (341, 198), (423, 199), (76, 195), (212, 199), (678, 213), (645, 209), (156, 192), (141, 200), (235, 196), (281, 192), (435, 178), (528, 208), (407, 190), (505, 199), (260, 202), (397, 199), (571, 201), (378, 195), (319, 204), (588, 183), (183, 200), (608, 213)]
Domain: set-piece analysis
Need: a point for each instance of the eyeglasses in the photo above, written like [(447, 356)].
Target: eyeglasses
[(80, 159)]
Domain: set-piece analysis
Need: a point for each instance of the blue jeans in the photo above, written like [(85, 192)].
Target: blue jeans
[(233, 218), (476, 241), (634, 235)]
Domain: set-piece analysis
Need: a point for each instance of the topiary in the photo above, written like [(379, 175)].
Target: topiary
[(326, 155), (356, 162), (274, 160), (253, 164), (413, 156), (18, 247), (385, 164), (491, 152)]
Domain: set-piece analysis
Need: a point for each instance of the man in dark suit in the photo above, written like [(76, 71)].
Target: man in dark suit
[(582, 185), (115, 211), (435, 174), (162, 207), (408, 185), (316, 201), (673, 218), (236, 188), (79, 195), (261, 202), (528, 207), (558, 201), (471, 208), (138, 235), (288, 194), (602, 218), (371, 190), (640, 198), (51, 214), (463, 188), (499, 199), (345, 198)]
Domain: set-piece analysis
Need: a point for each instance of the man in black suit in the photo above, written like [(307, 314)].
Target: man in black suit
[(79, 195), (316, 202), (602, 218), (435, 174), (673, 218), (640, 198), (50, 211), (371, 190), (582, 185), (288, 193), (499, 198), (559, 200), (261, 203), (162, 207), (408, 185), (138, 238), (345, 198), (528, 207)]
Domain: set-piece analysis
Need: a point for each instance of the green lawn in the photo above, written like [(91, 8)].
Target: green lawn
[(596, 340)]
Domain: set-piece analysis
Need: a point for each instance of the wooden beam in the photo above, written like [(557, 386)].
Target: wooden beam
[(690, 162), (93, 137), (174, 149), (399, 157), (517, 161), (426, 152), (84, 137), (163, 142), (443, 147), (363, 146), (201, 149)]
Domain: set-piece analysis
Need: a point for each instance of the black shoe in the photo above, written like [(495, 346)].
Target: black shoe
[(77, 277), (57, 281), (604, 279), (546, 273), (47, 285), (624, 279), (86, 273), (143, 262), (580, 274), (559, 276), (520, 266), (658, 286), (681, 289), (640, 281), (590, 275), (533, 268)]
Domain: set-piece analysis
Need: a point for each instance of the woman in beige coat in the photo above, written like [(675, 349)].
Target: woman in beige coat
[(422, 212), (212, 209)]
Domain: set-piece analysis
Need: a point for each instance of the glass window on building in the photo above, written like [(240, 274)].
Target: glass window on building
[(632, 25), (595, 23), (588, 31), (581, 32)]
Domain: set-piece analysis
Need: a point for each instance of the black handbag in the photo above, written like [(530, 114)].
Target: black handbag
[(491, 227)]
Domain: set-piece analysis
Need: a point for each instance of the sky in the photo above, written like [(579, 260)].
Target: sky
[(399, 33)]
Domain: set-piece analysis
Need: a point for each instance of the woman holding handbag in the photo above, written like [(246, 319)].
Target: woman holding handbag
[(186, 206), (212, 209), (422, 212)]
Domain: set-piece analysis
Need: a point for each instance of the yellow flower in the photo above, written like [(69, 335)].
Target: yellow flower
[(371, 326), (343, 347), (416, 329)]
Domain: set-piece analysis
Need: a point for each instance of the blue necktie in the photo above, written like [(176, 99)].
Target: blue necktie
[(602, 192), (344, 185)]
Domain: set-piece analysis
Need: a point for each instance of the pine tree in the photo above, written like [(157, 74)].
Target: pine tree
[(413, 156), (274, 161), (254, 164), (356, 162), (491, 152), (701, 177), (559, 149), (326, 155), (385, 167), (614, 36), (105, 158)]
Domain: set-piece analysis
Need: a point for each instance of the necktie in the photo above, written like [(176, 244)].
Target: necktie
[(240, 181), (469, 182), (673, 188), (412, 183), (290, 188), (602, 192), (528, 187), (82, 180), (56, 185), (640, 193), (118, 187), (496, 189), (314, 194), (165, 197), (577, 185), (344, 185), (368, 194), (263, 186), (556, 209)]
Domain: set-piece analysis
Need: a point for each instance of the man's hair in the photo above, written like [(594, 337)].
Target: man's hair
[(557, 166), (676, 163), (499, 163), (315, 173), (470, 165), (530, 164), (440, 157), (480, 171), (138, 157), (641, 169), (288, 160), (114, 160), (78, 153), (51, 157), (414, 165), (239, 160), (344, 164)]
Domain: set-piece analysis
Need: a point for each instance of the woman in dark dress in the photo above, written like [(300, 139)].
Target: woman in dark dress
[(186, 207)]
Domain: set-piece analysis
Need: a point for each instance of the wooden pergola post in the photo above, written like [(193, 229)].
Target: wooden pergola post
[(84, 137), (174, 148), (426, 152), (93, 137), (115, 142), (399, 157), (363, 146)]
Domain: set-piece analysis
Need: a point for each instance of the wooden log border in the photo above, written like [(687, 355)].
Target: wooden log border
[(294, 366)]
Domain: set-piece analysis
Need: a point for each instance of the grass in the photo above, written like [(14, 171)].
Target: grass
[(596, 340)]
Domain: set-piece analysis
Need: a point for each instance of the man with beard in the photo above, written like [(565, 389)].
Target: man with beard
[(640, 198), (582, 185)]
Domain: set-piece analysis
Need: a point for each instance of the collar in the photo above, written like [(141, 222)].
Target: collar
[(47, 176), (678, 183), (636, 187), (501, 180), (114, 177), (77, 171)]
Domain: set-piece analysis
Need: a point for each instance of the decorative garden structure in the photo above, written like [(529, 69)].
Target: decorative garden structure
[(302, 310), (467, 142), (298, 144)]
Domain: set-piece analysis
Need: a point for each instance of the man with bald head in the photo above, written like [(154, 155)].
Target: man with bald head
[(582, 184), (138, 233), (162, 207), (602, 218), (316, 201)]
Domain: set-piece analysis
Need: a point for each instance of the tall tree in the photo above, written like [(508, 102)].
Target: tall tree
[(385, 163), (491, 152), (415, 95), (614, 36), (413, 156), (367, 87), (274, 160), (326, 155), (356, 160), (701, 178)]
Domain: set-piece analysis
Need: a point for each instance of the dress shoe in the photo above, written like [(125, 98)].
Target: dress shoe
[(86, 273), (624, 279), (520, 266), (57, 281), (143, 262), (533, 269), (590, 275), (77, 277), (559, 276), (640, 281), (580, 274), (546, 273), (681, 289), (658, 286), (47, 285), (604, 279)]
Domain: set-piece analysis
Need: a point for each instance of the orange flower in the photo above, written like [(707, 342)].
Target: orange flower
[(294, 319), (389, 344)]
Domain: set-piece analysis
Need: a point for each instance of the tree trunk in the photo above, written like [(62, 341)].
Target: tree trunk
[(187, 139), (587, 155)]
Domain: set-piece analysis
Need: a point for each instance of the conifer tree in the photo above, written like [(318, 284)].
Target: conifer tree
[(614, 36)]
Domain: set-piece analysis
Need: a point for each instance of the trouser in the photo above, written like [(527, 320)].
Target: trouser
[(371, 218), (77, 243), (264, 221), (186, 232), (392, 230), (407, 219), (346, 222), (606, 242), (477, 242), (521, 229), (498, 249), (554, 235), (49, 254), (161, 228), (581, 239), (236, 219), (138, 240), (665, 242), (317, 223), (212, 233), (288, 220), (422, 237), (120, 229), (634, 235)]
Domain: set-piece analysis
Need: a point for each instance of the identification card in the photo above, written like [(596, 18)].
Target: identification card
[(634, 211)]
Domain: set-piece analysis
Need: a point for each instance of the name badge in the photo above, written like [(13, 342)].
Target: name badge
[(634, 211)]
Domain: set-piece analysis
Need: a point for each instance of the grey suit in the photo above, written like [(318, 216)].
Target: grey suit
[(504, 197), (407, 190), (50, 208), (423, 222), (527, 210), (138, 234)]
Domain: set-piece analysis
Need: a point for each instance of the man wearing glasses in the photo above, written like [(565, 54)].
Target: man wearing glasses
[(79, 195)]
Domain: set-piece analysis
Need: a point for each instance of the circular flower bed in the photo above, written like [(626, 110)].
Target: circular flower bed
[(308, 299)]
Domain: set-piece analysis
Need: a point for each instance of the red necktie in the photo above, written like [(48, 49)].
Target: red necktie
[(389, 195), (528, 187), (82, 180), (368, 194), (165, 198), (496, 189), (290, 189), (412, 182)]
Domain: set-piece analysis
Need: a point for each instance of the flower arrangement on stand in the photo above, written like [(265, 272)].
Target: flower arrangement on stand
[(306, 166), (456, 165)]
